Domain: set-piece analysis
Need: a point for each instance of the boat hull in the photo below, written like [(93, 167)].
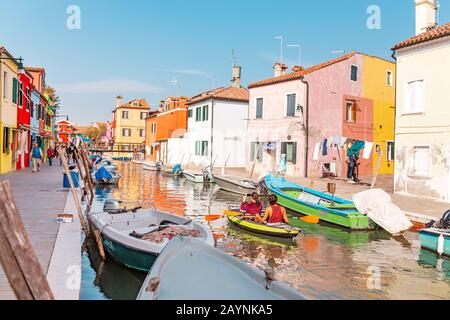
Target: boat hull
[(429, 239), (264, 229), (196, 177), (233, 186), (353, 221)]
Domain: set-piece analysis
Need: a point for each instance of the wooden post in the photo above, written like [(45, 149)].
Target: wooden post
[(224, 169), (375, 177), (82, 173), (74, 192), (19, 261), (311, 183), (88, 174), (256, 160), (98, 239)]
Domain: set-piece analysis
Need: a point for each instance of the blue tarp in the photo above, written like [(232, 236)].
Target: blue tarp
[(176, 168), (102, 173)]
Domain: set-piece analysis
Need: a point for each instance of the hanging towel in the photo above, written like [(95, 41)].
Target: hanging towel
[(368, 146), (316, 151), (325, 147), (342, 142), (355, 149)]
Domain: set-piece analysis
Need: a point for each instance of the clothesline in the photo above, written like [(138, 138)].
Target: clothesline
[(355, 146)]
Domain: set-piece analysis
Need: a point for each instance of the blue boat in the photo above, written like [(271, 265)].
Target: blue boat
[(429, 239), (314, 203)]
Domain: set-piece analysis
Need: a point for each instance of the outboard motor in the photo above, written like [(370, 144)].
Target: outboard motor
[(207, 174), (159, 164), (444, 223), (112, 206)]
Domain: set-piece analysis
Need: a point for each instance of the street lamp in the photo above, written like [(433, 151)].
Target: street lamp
[(19, 62)]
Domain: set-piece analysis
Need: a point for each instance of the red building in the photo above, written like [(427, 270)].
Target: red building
[(24, 106), (65, 130)]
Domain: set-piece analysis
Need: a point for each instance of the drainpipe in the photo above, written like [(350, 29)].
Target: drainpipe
[(212, 130), (395, 115), (306, 126)]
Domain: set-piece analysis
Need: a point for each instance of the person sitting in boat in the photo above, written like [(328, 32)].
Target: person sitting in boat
[(253, 208), (275, 214)]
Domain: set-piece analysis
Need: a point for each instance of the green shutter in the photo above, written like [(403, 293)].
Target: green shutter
[(14, 89)]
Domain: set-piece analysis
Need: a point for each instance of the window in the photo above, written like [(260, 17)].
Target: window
[(415, 97), (201, 148), (350, 108), (421, 161), (190, 113), (290, 150), (141, 133), (256, 152), (29, 102), (5, 85), (390, 151), (152, 150), (6, 139), (205, 113), (15, 90), (153, 128), (354, 73), (143, 115), (291, 105), (125, 114), (259, 108), (389, 78), (126, 132), (32, 109), (20, 93), (198, 114)]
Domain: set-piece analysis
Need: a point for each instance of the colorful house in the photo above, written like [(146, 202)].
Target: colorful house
[(65, 131), (34, 118), (422, 162), (292, 113), (24, 109), (8, 111), (169, 122), (152, 151), (129, 121)]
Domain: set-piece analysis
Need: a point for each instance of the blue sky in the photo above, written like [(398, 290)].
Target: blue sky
[(136, 47)]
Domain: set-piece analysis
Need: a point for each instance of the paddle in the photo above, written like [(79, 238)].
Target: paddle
[(214, 217), (310, 219)]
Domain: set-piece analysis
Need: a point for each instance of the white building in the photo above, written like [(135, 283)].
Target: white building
[(217, 126), (422, 164)]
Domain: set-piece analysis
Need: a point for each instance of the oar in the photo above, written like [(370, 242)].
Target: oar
[(310, 219), (227, 213)]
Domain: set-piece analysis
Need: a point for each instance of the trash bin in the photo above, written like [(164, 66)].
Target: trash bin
[(75, 178)]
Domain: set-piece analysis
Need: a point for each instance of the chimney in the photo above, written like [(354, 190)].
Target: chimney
[(280, 69), (426, 14), (119, 101), (236, 79), (297, 68)]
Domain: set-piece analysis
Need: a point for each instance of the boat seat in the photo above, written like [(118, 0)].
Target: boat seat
[(310, 198)]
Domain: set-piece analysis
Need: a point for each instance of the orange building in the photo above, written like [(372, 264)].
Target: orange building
[(169, 122)]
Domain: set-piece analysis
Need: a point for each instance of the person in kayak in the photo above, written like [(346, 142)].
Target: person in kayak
[(275, 214), (253, 208)]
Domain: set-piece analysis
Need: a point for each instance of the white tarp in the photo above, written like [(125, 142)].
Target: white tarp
[(378, 206)]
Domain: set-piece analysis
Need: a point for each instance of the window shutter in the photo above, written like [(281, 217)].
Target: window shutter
[(284, 148), (294, 153), (354, 112), (14, 89)]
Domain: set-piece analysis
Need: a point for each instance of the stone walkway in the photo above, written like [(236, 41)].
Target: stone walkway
[(39, 197)]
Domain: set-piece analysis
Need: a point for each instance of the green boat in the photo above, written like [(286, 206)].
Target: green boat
[(310, 202), (120, 235)]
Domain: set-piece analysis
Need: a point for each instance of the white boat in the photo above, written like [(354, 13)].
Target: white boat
[(151, 165), (196, 176), (114, 180), (122, 235), (136, 161), (209, 274), (236, 184)]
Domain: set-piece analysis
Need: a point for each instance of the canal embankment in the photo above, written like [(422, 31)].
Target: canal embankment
[(40, 197)]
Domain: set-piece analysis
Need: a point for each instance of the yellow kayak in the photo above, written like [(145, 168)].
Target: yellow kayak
[(283, 231)]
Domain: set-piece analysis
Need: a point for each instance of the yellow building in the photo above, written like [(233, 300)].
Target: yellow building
[(129, 121), (380, 87), (8, 110)]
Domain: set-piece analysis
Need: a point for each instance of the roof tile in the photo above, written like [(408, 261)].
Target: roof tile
[(432, 34)]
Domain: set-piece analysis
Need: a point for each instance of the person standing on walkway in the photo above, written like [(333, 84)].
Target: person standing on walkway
[(36, 156), (50, 155)]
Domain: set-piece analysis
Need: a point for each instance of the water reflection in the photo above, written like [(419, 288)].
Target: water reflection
[(324, 262)]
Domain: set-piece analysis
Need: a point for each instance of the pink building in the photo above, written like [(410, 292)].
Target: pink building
[(291, 112)]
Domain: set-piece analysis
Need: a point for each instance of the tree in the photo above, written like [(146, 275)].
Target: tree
[(50, 94)]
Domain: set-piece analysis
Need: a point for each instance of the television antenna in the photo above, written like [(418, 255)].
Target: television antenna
[(234, 57), (438, 9), (299, 51), (174, 82), (339, 52), (281, 39)]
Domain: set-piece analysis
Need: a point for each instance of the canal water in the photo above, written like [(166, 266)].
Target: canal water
[(324, 262)]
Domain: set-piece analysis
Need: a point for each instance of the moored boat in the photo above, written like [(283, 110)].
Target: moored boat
[(127, 236), (196, 176), (103, 176), (125, 159), (209, 274), (436, 240), (280, 231), (236, 184), (151, 165), (314, 203), (172, 171)]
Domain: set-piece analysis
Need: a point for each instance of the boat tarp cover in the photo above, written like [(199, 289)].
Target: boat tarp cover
[(102, 173), (378, 206)]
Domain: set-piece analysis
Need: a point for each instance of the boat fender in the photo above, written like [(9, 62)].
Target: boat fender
[(153, 284), (270, 277), (440, 246)]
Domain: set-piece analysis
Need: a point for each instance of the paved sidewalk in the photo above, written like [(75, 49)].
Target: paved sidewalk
[(414, 206), (39, 197)]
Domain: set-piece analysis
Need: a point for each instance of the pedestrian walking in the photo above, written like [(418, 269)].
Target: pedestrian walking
[(50, 155), (36, 156)]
